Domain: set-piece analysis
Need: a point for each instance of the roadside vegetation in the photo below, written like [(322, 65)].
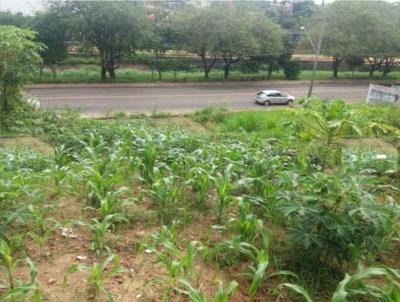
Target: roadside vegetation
[(298, 204), (89, 74), (239, 40)]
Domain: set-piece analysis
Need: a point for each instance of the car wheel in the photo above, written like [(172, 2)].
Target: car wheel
[(267, 103), (290, 102)]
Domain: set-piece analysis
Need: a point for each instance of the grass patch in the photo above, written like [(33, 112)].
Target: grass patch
[(91, 74)]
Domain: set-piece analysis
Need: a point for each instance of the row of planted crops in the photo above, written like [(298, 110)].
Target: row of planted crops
[(200, 216)]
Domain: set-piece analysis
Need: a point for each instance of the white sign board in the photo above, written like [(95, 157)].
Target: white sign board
[(379, 93)]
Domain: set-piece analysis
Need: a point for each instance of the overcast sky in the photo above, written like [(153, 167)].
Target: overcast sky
[(30, 6)]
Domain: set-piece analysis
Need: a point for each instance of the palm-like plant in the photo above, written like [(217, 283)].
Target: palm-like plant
[(325, 125)]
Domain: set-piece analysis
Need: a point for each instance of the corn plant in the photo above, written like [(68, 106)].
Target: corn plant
[(99, 229), (201, 181), (355, 286), (179, 264), (260, 263), (246, 224), (197, 295), (227, 252), (113, 203), (99, 183), (222, 184), (99, 273), (168, 194), (42, 225), (16, 288), (148, 152)]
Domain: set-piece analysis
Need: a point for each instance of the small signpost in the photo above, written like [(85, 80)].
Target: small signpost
[(379, 93)]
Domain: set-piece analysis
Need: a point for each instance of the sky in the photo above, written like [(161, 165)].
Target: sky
[(24, 6)]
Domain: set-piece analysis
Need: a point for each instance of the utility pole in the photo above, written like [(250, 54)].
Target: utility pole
[(317, 51)]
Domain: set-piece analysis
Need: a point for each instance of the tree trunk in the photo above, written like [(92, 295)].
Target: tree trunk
[(53, 72), (103, 72), (388, 65), (374, 65), (335, 65), (207, 68), (111, 71), (269, 71), (227, 68), (107, 65), (229, 60)]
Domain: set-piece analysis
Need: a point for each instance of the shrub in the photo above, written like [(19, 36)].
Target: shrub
[(250, 66), (215, 114), (334, 219), (292, 69)]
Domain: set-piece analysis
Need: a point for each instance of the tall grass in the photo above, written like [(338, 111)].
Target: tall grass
[(267, 124), (91, 74)]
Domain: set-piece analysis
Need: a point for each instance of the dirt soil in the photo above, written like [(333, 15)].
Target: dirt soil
[(370, 142), (143, 280)]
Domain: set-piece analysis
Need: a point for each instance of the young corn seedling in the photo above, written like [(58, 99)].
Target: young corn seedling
[(16, 288), (201, 181), (113, 203), (178, 264), (246, 224), (99, 273), (197, 295), (42, 226), (260, 263), (222, 183), (62, 157), (168, 194), (100, 229), (148, 158), (98, 184)]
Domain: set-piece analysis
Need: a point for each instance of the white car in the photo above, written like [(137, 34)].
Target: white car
[(269, 97)]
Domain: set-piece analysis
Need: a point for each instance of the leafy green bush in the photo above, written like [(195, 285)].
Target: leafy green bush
[(250, 66), (334, 218), (292, 69), (215, 114)]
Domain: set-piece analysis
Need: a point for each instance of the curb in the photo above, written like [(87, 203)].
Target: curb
[(203, 84)]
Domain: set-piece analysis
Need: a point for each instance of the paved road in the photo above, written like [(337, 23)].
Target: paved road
[(185, 98)]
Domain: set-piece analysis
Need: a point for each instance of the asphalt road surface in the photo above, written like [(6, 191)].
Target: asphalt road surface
[(184, 98)]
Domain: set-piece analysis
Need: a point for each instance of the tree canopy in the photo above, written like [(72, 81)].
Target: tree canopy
[(114, 27), (367, 29)]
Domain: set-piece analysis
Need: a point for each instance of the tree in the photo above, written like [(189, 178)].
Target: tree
[(113, 27), (353, 62), (197, 29), (341, 38), (224, 31), (270, 40), (52, 30), (15, 19), (233, 39), (19, 58), (366, 29), (163, 35), (382, 37)]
